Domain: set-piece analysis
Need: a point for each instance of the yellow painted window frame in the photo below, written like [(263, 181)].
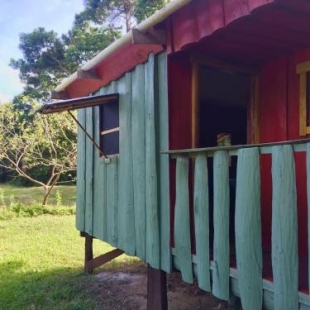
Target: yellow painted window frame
[(302, 69)]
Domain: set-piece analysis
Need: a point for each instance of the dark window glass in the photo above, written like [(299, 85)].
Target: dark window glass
[(110, 143), (109, 132), (109, 116)]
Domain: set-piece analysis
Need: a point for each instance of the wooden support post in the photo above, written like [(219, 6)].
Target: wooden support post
[(88, 253), (156, 289)]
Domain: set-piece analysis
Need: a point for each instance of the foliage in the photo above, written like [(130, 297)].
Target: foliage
[(118, 12), (48, 58), (29, 196), (37, 141), (42, 266), (145, 8)]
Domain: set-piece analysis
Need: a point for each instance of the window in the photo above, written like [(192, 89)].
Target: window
[(109, 128), (109, 118), (303, 69)]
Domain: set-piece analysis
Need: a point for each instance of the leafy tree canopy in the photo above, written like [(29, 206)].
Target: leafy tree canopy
[(118, 12), (39, 142), (48, 58)]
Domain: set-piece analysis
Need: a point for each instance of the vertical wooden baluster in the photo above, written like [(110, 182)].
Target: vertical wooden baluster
[(201, 217), (220, 285), (248, 229), (182, 223), (284, 229)]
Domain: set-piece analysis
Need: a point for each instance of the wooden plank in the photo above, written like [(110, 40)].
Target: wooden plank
[(89, 174), (195, 105), (181, 224), (138, 157), (303, 104), (164, 185), (248, 229), (81, 168), (253, 112), (103, 259), (88, 253), (303, 67), (99, 185), (156, 289), (284, 229), (126, 223), (201, 218), (308, 207), (220, 279), (151, 190), (112, 201)]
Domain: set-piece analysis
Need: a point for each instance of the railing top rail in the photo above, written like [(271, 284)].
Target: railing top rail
[(265, 148)]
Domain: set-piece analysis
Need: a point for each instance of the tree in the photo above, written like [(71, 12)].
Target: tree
[(145, 8), (47, 58), (118, 12), (48, 142)]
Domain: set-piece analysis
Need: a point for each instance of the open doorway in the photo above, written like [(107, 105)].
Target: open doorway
[(224, 98), (223, 101)]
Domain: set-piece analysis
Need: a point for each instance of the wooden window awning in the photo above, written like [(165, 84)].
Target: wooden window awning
[(79, 103)]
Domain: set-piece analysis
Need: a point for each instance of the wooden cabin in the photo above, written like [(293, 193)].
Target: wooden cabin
[(193, 152)]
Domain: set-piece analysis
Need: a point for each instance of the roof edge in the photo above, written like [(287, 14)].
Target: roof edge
[(144, 26)]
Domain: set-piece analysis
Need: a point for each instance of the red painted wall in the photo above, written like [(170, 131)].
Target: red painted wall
[(179, 86), (279, 121)]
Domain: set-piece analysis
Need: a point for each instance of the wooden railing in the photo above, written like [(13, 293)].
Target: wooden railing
[(247, 222)]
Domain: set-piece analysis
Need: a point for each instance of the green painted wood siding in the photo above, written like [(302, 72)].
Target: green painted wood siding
[(220, 287), (248, 229), (284, 228), (125, 200), (245, 279)]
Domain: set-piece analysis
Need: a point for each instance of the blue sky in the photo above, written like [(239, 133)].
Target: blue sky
[(18, 16)]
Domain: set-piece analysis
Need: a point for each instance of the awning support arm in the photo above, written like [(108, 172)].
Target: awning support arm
[(87, 134)]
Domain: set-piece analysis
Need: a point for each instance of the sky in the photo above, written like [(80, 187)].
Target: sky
[(17, 16)]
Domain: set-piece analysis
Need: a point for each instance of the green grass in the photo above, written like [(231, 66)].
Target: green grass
[(41, 266), (34, 195)]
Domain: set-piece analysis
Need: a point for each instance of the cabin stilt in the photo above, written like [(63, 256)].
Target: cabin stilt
[(88, 252), (156, 289), (90, 262)]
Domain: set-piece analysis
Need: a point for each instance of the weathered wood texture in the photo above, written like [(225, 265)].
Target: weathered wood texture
[(138, 152), (201, 217), (182, 237), (220, 285), (103, 259), (248, 229), (284, 229), (163, 143), (81, 167), (89, 175), (246, 280), (88, 253), (152, 210), (118, 199), (156, 289), (126, 224)]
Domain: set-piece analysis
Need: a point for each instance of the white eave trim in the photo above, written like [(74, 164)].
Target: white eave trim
[(143, 27)]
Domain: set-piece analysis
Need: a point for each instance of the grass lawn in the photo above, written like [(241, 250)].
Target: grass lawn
[(34, 195), (41, 265)]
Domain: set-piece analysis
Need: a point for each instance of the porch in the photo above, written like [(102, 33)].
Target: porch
[(228, 238)]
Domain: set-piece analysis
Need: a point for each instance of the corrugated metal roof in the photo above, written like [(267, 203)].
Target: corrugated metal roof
[(79, 103)]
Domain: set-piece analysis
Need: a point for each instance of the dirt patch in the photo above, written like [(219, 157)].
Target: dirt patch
[(129, 290)]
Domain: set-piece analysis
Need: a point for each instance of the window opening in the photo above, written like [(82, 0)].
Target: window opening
[(109, 128)]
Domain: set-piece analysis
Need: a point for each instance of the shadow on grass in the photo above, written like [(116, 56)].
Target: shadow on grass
[(62, 288)]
